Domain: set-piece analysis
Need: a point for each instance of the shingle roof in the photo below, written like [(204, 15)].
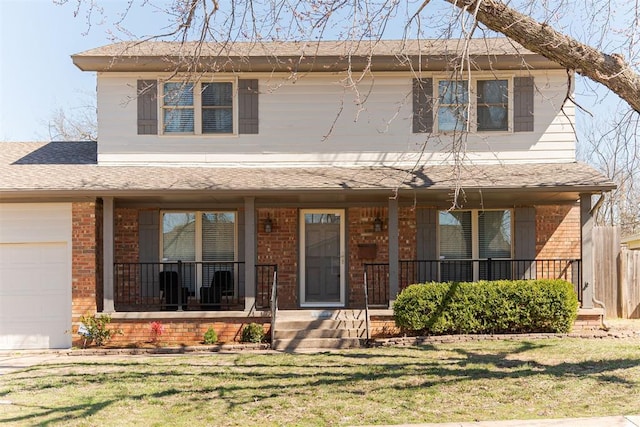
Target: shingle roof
[(71, 166), (484, 46), (310, 55)]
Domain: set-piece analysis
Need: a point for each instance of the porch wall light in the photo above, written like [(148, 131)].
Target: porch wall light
[(377, 224), (268, 225)]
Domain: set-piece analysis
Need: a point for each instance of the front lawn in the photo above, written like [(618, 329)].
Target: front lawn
[(485, 380)]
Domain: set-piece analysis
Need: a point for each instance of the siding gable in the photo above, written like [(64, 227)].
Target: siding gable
[(147, 107), (248, 106), (523, 91), (422, 105)]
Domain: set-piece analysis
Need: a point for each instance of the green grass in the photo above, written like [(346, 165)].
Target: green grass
[(487, 380)]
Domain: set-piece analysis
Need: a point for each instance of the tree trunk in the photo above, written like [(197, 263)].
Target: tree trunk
[(609, 70)]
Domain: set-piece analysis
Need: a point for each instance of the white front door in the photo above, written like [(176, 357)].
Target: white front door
[(322, 258)]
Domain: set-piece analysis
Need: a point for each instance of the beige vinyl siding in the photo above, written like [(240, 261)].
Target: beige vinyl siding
[(295, 117)]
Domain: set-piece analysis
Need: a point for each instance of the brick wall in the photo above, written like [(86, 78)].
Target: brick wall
[(125, 234), (281, 247), (364, 245), (85, 270), (558, 231), (181, 331)]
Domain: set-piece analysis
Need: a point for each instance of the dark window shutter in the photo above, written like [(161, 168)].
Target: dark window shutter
[(422, 105), (523, 104), (248, 106), (525, 241), (149, 251), (149, 235), (147, 107), (427, 243)]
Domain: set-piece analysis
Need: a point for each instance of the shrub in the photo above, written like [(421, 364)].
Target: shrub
[(210, 337), (96, 329), (253, 332), (503, 306)]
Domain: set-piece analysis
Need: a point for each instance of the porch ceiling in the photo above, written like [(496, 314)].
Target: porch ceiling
[(69, 170)]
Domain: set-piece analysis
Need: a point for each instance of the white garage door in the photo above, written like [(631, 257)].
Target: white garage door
[(35, 276)]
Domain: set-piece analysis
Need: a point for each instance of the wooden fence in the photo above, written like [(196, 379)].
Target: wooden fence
[(616, 274)]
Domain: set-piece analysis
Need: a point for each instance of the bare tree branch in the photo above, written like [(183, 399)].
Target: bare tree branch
[(609, 70)]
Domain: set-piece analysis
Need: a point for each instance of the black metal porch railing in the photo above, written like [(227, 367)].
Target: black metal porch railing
[(420, 271), (153, 286)]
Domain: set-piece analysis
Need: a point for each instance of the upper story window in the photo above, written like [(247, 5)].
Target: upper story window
[(453, 97), (479, 105), (198, 108), (492, 105)]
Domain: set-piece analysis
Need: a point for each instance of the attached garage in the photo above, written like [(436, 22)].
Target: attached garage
[(35, 275)]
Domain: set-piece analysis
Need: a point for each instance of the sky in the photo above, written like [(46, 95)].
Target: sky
[(37, 75)]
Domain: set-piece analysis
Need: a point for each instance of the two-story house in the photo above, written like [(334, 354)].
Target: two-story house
[(326, 171)]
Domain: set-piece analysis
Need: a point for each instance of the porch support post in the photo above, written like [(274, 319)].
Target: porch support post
[(394, 259), (107, 254), (249, 253), (586, 250)]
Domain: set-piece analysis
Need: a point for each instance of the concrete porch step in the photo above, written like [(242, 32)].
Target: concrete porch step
[(321, 314), (319, 333), (321, 329), (285, 324), (314, 343)]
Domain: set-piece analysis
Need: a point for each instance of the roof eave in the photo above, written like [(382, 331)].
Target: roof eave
[(427, 63)]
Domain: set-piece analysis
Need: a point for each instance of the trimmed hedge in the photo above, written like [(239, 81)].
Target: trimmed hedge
[(505, 306)]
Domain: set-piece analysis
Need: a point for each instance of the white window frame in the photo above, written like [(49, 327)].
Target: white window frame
[(198, 240), (472, 114), (197, 107), (475, 236)]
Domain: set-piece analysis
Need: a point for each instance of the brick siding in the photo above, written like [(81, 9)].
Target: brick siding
[(86, 250), (181, 331), (281, 247), (558, 231)]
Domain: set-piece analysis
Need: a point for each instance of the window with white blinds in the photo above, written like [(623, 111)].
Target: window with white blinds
[(179, 236), (475, 235), (182, 231), (455, 235), (197, 108), (178, 108), (218, 236), (494, 234)]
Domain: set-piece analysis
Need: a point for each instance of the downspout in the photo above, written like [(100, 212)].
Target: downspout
[(594, 211)]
